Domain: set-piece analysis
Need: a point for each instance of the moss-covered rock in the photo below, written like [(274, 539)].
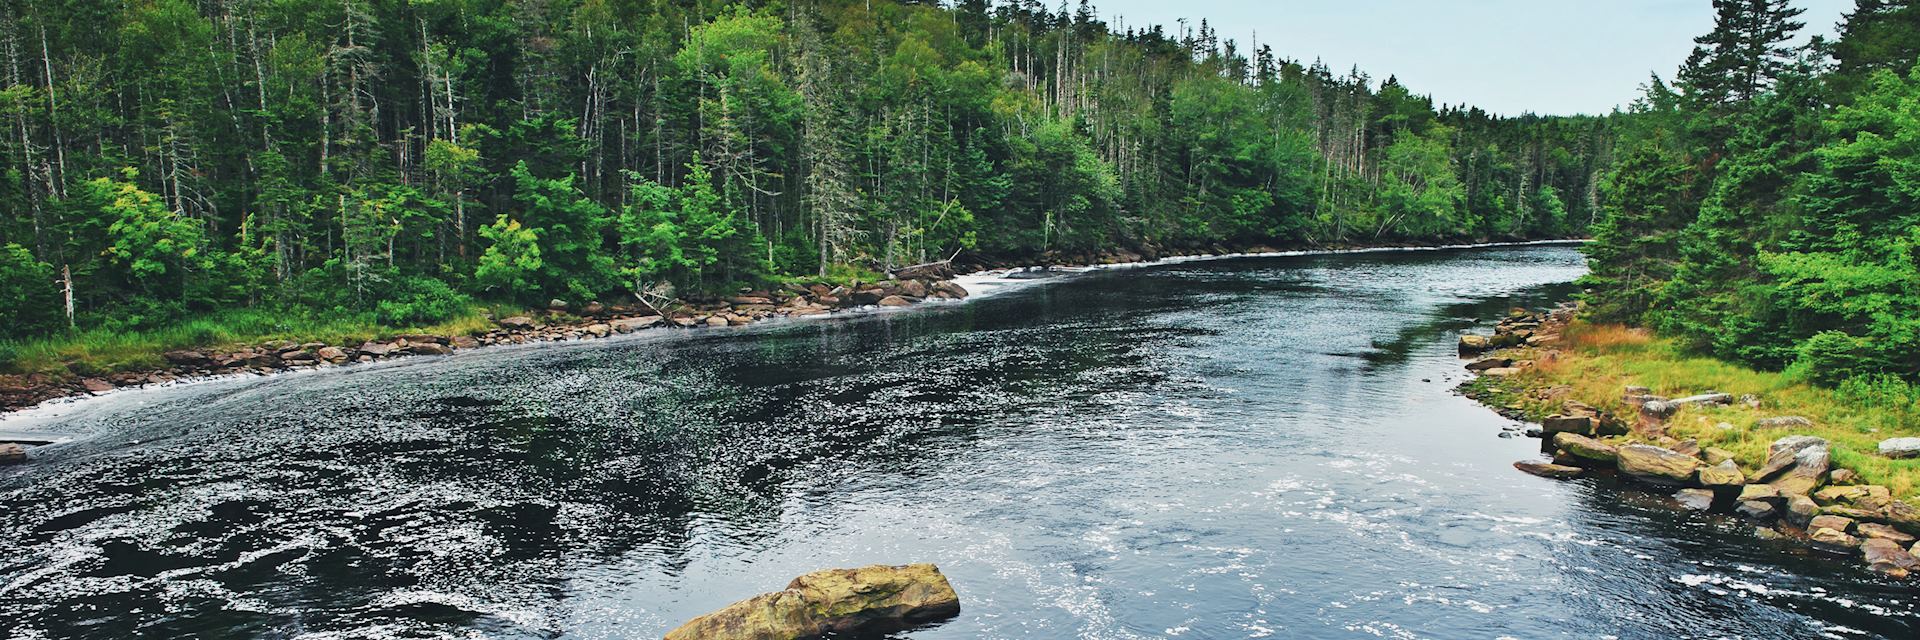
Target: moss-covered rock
[(873, 599)]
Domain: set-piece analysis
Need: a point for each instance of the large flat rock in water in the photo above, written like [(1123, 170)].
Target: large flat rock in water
[(868, 600)]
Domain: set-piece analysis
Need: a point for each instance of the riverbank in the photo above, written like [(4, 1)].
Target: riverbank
[(1833, 469), (261, 342), (194, 350)]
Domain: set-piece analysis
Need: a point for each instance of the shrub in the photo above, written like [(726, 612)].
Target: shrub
[(1831, 357), (418, 300), (29, 299)]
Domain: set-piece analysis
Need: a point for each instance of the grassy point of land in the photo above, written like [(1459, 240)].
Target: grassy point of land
[(101, 351), (1595, 362)]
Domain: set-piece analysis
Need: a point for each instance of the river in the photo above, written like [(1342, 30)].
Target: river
[(1235, 448)]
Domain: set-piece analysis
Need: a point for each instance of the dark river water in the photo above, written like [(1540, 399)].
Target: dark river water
[(1257, 447)]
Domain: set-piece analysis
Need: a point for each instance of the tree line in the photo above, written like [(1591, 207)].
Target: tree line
[(1764, 206), (164, 158)]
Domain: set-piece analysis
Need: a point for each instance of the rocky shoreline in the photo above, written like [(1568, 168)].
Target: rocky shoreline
[(561, 321), (1796, 494)]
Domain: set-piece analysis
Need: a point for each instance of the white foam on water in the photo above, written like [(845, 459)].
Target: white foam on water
[(994, 281)]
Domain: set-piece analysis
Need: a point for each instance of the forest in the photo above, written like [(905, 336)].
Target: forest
[(1764, 206), (399, 162)]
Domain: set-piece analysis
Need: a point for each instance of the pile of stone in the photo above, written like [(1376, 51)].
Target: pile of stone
[(1796, 494)]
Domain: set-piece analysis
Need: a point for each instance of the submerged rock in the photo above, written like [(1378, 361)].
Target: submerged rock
[(1484, 364), (1549, 470), (875, 599), (1695, 499), (1656, 465)]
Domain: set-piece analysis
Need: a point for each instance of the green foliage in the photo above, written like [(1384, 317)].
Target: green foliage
[(420, 301), (580, 149), (29, 293), (511, 265), (1770, 217)]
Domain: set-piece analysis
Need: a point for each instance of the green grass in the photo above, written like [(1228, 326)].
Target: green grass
[(1598, 361), (100, 351)]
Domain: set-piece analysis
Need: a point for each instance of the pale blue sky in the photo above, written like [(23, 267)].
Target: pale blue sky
[(1506, 56)]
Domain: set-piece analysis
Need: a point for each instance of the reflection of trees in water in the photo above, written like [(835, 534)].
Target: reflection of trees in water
[(1446, 319)]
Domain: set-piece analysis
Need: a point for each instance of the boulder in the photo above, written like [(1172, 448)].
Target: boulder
[(1657, 465), (1842, 476), (1800, 509), (1782, 422), (1835, 523), (1759, 492), (429, 349), (522, 323), (866, 296), (377, 349), (1902, 515), (1664, 408), (1756, 509), (594, 308), (1795, 464), (1716, 455), (952, 289), (599, 329), (1470, 344), (96, 385), (1695, 499), (1900, 447), (11, 453), (1585, 448), (1582, 425), (914, 289), (465, 342), (1832, 540), (187, 358), (1549, 470), (1502, 372), (894, 301), (1888, 558), (1723, 475), (716, 321), (1875, 530), (629, 325), (334, 355), (749, 300), (1484, 364), (556, 304), (869, 600)]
